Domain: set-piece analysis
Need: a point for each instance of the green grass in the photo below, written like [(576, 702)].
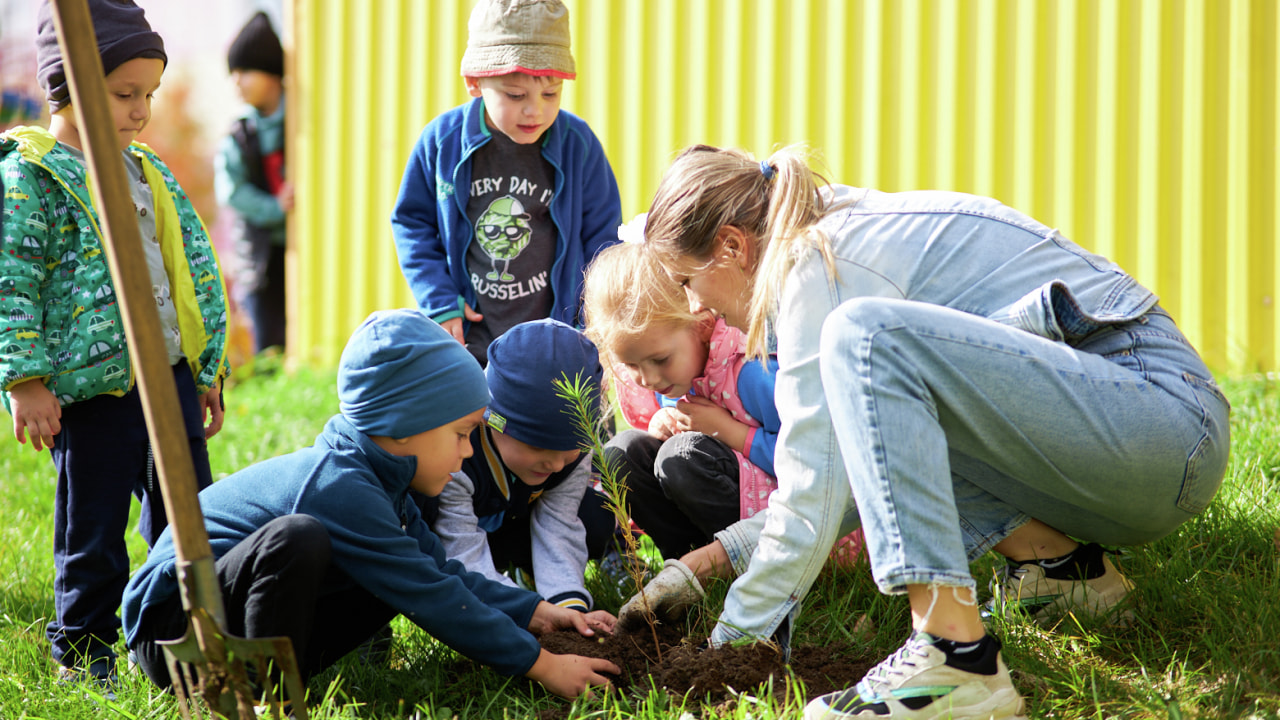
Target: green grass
[(1205, 644)]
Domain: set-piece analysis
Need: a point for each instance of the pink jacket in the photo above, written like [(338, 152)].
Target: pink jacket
[(719, 382)]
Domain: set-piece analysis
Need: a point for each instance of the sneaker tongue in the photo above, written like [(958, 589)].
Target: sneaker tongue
[(920, 637)]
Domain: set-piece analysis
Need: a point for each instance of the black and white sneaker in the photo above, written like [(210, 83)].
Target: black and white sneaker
[(1084, 582), (921, 681)]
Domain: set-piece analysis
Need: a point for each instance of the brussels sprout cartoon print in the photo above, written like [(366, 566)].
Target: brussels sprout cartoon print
[(503, 231)]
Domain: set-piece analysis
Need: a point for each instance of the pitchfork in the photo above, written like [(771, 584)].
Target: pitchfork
[(206, 658)]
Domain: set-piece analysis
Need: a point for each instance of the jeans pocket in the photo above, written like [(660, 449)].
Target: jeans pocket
[(1207, 462)]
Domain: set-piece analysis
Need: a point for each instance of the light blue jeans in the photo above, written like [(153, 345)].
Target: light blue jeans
[(955, 430), (971, 428), (959, 368)]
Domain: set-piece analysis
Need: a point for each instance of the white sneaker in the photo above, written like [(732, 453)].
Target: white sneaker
[(916, 683), (1026, 589)]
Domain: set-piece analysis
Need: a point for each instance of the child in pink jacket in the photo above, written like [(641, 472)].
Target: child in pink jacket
[(700, 458)]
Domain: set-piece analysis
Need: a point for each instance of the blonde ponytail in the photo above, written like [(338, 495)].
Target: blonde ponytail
[(776, 202)]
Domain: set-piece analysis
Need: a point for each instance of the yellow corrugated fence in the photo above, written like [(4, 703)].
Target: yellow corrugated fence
[(1145, 130)]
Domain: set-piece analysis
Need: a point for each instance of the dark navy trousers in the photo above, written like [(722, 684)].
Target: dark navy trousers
[(681, 491), (279, 581), (103, 458)]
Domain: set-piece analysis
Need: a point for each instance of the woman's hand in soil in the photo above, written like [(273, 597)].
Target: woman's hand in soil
[(668, 596), (570, 676)]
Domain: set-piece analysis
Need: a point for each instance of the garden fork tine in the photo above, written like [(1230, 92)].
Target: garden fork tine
[(185, 654), (224, 684)]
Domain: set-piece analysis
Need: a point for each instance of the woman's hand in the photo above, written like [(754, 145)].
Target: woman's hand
[(35, 411)]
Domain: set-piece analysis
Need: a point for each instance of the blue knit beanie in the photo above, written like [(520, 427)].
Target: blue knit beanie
[(524, 362), (402, 374), (123, 34)]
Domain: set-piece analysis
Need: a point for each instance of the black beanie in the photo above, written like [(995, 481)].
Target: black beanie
[(123, 34), (257, 48)]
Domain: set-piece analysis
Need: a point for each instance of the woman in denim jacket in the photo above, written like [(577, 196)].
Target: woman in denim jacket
[(971, 378)]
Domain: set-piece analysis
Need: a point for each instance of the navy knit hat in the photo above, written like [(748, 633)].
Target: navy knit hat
[(402, 374), (257, 47), (524, 363), (123, 34)]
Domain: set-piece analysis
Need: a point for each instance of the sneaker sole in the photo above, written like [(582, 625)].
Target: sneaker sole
[(1003, 704)]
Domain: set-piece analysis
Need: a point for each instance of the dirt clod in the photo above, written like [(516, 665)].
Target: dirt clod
[(682, 665)]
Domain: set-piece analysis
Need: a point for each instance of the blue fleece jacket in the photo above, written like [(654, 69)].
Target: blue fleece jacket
[(360, 492), (430, 222)]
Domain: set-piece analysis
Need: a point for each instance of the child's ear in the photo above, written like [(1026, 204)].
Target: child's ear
[(705, 325), (473, 86)]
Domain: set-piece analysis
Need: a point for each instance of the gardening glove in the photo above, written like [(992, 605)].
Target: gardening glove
[(670, 593)]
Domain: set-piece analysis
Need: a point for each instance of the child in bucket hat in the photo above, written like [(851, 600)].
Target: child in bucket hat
[(524, 36), (325, 546), (523, 505), (506, 199)]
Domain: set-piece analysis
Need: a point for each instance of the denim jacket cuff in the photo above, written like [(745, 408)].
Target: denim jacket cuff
[(724, 635), (740, 540)]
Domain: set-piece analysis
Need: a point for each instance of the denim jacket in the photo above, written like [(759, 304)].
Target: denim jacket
[(961, 251)]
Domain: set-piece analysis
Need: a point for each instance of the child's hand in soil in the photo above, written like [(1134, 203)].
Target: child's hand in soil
[(548, 618), (597, 621), (571, 675), (669, 594)]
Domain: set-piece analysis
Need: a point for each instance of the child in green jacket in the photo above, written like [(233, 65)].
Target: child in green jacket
[(65, 367)]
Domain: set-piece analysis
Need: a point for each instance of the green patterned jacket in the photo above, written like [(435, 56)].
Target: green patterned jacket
[(59, 318)]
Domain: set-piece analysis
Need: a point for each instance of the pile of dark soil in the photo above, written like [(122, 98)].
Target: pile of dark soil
[(714, 674)]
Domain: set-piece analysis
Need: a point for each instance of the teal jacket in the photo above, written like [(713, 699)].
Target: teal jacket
[(60, 317)]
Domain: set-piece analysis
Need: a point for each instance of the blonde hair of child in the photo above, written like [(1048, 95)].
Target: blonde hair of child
[(707, 188), (627, 293)]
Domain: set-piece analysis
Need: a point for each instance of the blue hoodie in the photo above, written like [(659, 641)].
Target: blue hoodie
[(432, 230), (360, 492)]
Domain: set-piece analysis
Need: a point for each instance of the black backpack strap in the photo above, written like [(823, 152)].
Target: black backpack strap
[(245, 132)]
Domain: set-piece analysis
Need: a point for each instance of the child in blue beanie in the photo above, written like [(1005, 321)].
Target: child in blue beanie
[(325, 546), (524, 499)]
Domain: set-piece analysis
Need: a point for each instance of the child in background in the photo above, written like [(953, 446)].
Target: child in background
[(703, 467), (249, 179), (66, 368), (325, 546), (506, 199), (524, 499)]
